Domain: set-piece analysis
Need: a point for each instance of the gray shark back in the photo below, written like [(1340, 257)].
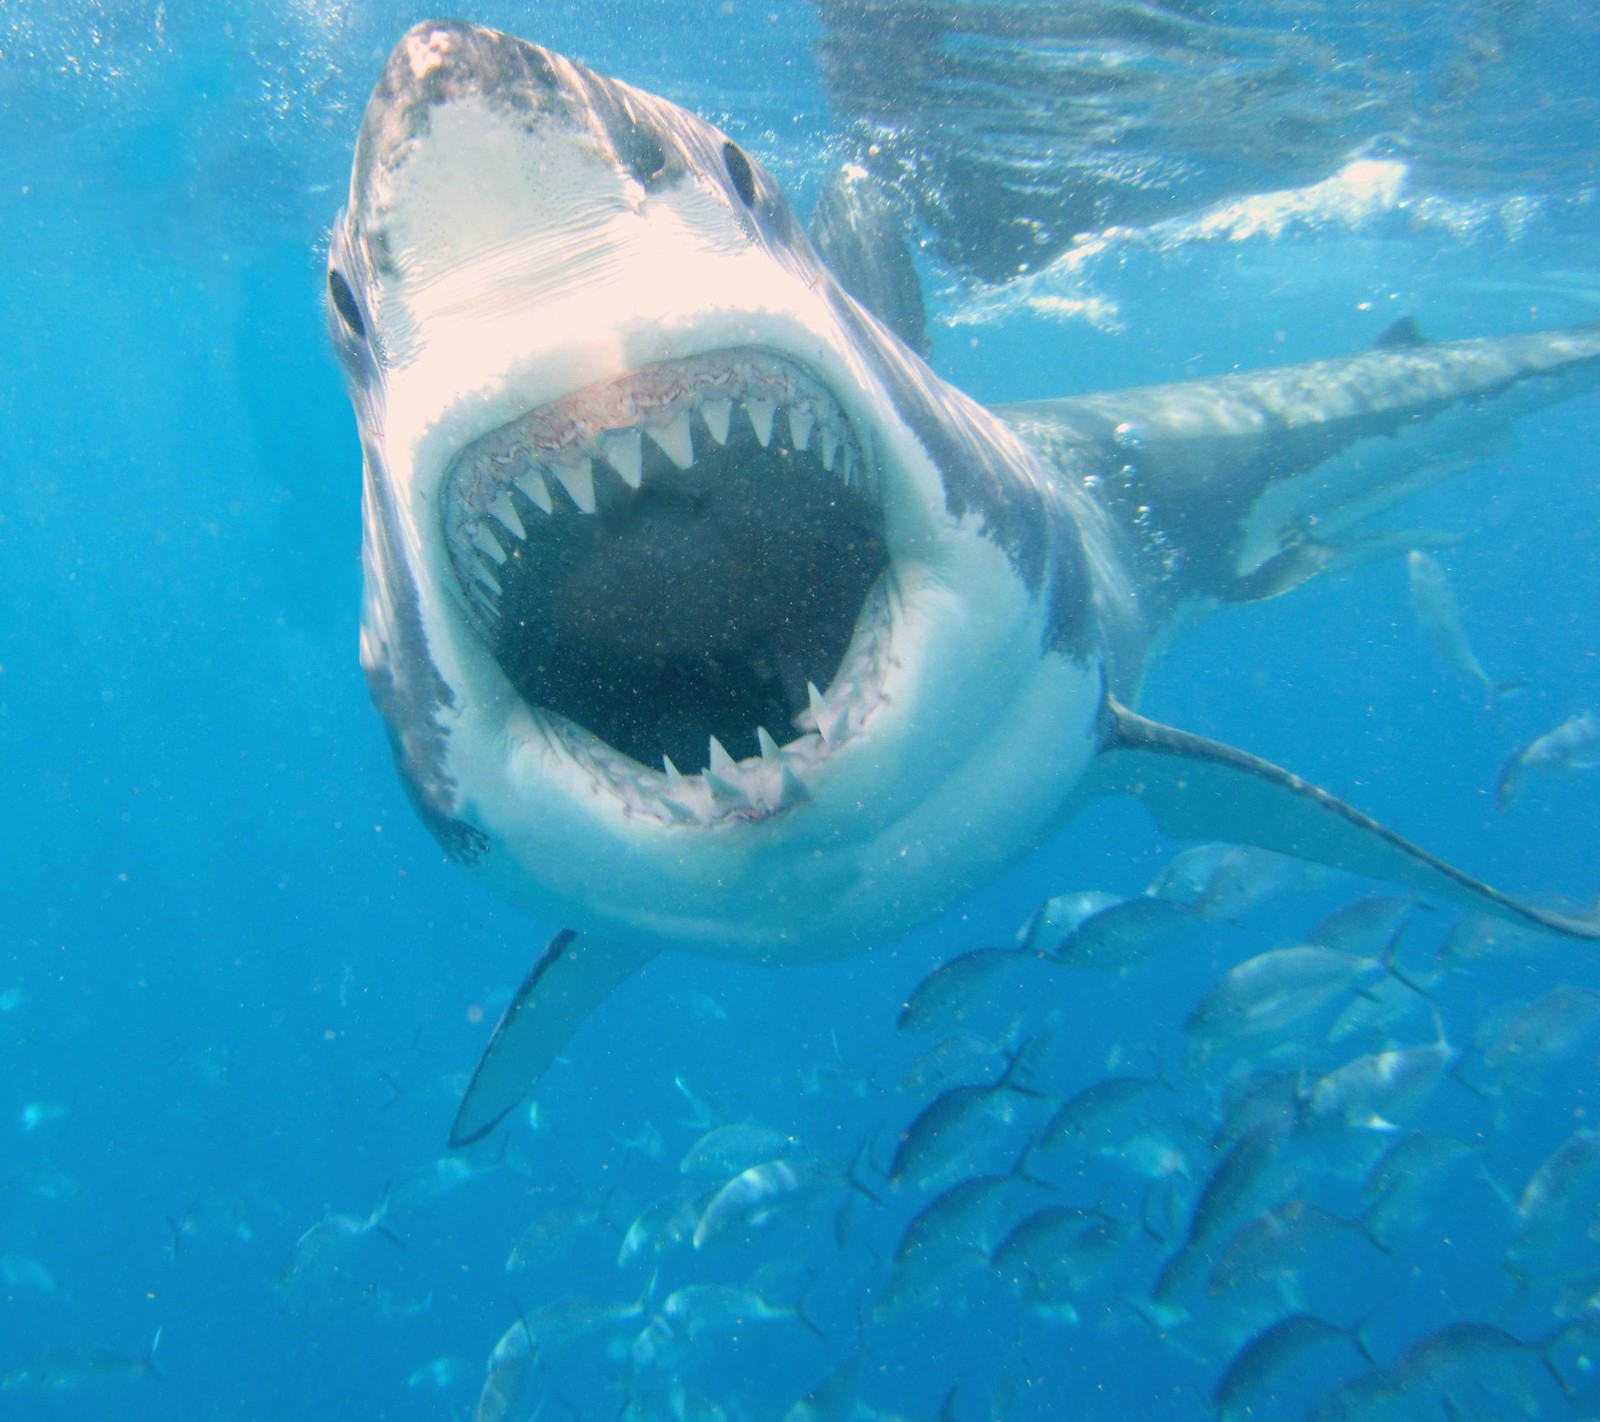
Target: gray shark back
[(1244, 486)]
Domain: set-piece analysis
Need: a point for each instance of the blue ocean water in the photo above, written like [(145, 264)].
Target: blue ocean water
[(240, 983)]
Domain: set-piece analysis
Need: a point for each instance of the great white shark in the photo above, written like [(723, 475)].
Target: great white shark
[(703, 615)]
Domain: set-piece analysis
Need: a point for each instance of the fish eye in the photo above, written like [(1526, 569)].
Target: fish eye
[(740, 173), (344, 302)]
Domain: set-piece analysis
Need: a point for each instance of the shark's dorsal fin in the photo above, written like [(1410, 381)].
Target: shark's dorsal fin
[(572, 977), (1401, 335), (1203, 789)]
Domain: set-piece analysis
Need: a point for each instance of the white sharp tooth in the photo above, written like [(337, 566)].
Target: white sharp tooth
[(830, 446), (761, 413), (724, 792), (819, 707), (721, 762), (673, 773), (801, 421), (486, 543), (847, 464), (531, 482), (769, 747), (624, 453), (488, 579), (502, 509), (832, 722), (680, 813), (577, 479), (673, 437), (790, 790), (718, 414)]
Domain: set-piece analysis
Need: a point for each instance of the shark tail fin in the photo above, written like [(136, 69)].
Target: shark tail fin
[(1197, 788)]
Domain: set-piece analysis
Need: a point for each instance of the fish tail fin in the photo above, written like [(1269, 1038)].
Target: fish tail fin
[(1441, 1038), (1498, 1190), (1458, 1074), (1546, 1346), (1567, 1389), (395, 1093), (1364, 1226), (1021, 1062), (852, 1176), (1358, 1335), (1389, 957), (1019, 1171), (377, 1220), (148, 1364), (1499, 690), (802, 1317), (1521, 1284), (1162, 1238), (646, 1301)]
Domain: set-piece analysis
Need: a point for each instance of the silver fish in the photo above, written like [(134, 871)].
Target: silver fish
[(1434, 602), (723, 1308), (1104, 931), (947, 995), (734, 1147), (1276, 990), (1572, 747), (756, 1196), (1378, 1091)]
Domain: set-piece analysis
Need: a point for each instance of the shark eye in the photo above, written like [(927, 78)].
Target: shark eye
[(344, 302), (740, 174)]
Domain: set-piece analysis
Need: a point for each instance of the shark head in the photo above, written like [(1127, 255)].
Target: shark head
[(697, 607)]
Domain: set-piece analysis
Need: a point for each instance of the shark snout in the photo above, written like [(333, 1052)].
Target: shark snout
[(440, 61)]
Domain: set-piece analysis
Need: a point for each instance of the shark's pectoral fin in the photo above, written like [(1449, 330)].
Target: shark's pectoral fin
[(572, 977), (1202, 789)]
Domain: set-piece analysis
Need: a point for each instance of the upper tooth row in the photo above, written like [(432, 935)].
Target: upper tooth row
[(623, 451)]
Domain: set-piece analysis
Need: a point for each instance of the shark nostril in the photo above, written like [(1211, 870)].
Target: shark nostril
[(344, 302), (740, 173), (640, 151)]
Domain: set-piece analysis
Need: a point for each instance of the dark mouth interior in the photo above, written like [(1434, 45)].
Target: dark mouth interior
[(697, 605)]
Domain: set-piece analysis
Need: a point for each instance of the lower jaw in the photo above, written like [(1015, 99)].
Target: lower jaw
[(774, 781)]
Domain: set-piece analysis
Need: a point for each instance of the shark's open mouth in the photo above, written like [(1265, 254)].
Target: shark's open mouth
[(669, 566)]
